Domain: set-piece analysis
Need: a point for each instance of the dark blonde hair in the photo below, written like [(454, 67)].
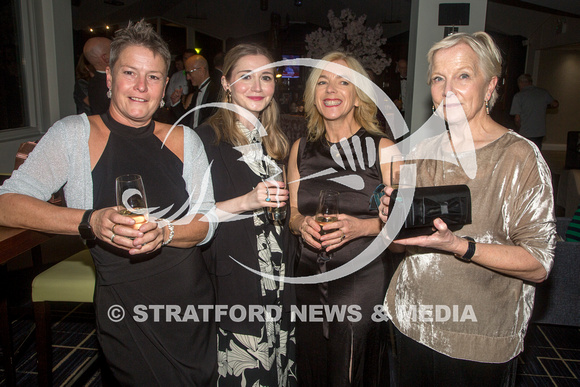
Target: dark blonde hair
[(139, 34), (482, 44), (224, 121), (365, 114)]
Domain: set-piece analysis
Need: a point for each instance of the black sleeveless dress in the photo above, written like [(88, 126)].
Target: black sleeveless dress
[(325, 348), (143, 349)]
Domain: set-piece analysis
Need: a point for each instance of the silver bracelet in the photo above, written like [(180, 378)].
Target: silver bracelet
[(171, 229)]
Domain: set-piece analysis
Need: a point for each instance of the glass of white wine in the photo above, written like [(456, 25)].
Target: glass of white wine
[(276, 172), (326, 213), (131, 199)]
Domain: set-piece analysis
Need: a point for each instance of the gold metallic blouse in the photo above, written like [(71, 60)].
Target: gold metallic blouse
[(465, 310)]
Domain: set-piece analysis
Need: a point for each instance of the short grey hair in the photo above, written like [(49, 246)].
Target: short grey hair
[(482, 44), (139, 34)]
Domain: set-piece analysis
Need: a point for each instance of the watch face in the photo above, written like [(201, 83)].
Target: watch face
[(85, 227), (86, 232)]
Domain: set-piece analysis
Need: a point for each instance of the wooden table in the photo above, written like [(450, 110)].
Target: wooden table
[(14, 242)]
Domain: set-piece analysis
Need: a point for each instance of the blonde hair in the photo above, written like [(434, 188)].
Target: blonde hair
[(224, 121), (365, 114), (482, 44)]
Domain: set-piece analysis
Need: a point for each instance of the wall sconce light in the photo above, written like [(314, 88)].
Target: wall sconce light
[(198, 50)]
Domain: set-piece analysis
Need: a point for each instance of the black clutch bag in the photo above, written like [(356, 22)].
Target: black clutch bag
[(451, 203)]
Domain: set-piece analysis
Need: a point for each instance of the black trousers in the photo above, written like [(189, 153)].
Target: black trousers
[(418, 365)]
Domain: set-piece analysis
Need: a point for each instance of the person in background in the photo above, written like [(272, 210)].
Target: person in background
[(218, 64), (529, 107), (84, 72), (138, 266), (250, 352), (178, 85), (176, 79), (96, 51), (397, 86), (479, 281), (342, 124), (207, 90)]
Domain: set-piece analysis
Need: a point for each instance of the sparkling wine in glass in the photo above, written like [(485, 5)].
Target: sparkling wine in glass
[(131, 199), (326, 213), (276, 172)]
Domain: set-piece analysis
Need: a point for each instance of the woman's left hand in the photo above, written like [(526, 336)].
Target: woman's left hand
[(344, 230), (442, 239), (152, 239)]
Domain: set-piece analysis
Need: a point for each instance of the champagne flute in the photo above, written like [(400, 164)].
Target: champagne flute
[(326, 213), (276, 172), (131, 199)]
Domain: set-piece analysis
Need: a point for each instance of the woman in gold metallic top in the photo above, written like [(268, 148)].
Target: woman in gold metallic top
[(462, 306)]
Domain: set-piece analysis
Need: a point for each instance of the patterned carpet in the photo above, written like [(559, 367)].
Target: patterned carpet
[(551, 356)]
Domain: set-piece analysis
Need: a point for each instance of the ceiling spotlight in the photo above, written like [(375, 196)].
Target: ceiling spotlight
[(107, 27), (91, 30), (298, 3)]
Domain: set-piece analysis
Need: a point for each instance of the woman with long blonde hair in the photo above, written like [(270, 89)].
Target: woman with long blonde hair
[(342, 135), (249, 350)]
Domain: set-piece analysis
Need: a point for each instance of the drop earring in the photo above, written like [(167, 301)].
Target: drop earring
[(162, 103), (433, 108), (487, 106), (109, 94), (229, 96)]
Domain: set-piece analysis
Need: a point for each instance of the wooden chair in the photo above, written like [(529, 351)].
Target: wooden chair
[(71, 280)]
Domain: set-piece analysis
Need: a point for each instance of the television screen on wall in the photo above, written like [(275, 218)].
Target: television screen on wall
[(291, 71)]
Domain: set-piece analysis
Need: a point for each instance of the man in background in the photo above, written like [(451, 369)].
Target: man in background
[(218, 63), (207, 90), (529, 107), (396, 88), (96, 51), (178, 85)]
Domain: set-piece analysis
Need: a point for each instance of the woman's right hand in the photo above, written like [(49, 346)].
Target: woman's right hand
[(273, 190), (384, 206), (176, 96), (310, 232)]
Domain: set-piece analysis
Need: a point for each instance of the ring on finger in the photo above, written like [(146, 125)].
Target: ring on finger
[(343, 236), (383, 212), (113, 237), (113, 229), (267, 194)]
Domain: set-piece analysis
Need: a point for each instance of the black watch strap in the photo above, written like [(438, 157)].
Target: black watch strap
[(470, 250), (85, 226)]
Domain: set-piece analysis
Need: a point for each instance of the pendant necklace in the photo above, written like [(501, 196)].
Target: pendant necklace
[(333, 148)]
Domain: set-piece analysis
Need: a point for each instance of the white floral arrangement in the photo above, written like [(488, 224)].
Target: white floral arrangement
[(349, 34)]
